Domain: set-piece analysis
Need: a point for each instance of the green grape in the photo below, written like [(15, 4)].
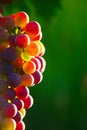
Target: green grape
[(25, 56)]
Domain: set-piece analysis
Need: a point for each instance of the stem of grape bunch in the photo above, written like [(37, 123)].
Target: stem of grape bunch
[(21, 66)]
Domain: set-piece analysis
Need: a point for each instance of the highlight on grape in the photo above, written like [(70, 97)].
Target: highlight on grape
[(21, 67)]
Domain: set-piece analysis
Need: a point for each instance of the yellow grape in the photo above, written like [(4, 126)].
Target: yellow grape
[(8, 124)]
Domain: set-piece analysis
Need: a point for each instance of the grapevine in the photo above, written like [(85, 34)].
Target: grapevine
[(21, 67)]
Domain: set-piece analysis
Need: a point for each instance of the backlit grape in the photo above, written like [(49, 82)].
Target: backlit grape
[(22, 92), (22, 40), (27, 80), (8, 124), (21, 19), (29, 67)]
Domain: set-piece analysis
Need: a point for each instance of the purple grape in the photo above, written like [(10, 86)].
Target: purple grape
[(11, 40), (6, 68), (10, 54), (18, 102), (18, 117), (13, 80), (10, 93), (37, 77)]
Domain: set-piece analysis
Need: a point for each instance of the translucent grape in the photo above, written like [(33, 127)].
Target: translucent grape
[(25, 56), (23, 112), (8, 124), (29, 67), (22, 40), (32, 29), (13, 80), (28, 102), (21, 19), (18, 102), (22, 92), (27, 80), (37, 63), (43, 63), (33, 49), (42, 48), (37, 77), (38, 37)]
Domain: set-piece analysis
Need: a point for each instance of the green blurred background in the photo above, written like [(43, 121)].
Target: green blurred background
[(60, 100)]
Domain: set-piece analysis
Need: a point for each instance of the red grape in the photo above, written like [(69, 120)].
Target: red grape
[(9, 110), (28, 102), (22, 92), (20, 126), (22, 40)]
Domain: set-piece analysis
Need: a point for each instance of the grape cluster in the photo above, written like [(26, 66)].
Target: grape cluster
[(21, 67)]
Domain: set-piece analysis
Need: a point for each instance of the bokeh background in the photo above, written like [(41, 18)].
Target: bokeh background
[(60, 100)]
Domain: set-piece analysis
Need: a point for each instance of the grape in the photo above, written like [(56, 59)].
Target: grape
[(3, 34), (22, 92), (21, 19), (38, 37), (3, 86), (20, 126), (28, 102), (43, 63), (9, 110), (7, 22), (42, 48), (10, 94), (29, 67), (6, 68), (18, 117), (10, 54), (37, 77), (22, 40), (37, 63), (8, 124), (18, 63), (23, 112), (27, 80), (32, 29), (18, 102), (25, 56), (33, 49), (13, 80), (11, 40)]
